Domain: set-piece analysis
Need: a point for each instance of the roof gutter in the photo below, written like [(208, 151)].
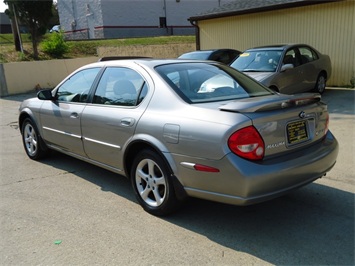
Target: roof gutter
[(259, 9)]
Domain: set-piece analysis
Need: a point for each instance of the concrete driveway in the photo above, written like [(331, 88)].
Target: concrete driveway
[(62, 211)]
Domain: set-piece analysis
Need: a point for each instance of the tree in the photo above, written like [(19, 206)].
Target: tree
[(35, 15)]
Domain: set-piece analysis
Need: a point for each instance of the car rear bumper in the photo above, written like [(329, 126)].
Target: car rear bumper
[(243, 182)]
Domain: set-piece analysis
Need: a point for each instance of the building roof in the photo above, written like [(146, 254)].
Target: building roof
[(241, 7)]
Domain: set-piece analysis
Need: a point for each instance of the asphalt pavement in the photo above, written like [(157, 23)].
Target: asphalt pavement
[(62, 211)]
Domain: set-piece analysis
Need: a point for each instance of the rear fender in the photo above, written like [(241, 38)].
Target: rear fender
[(140, 141)]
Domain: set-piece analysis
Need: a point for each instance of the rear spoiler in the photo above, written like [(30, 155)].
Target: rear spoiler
[(110, 58), (274, 102)]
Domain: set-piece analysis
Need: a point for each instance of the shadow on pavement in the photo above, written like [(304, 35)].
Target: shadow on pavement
[(297, 229), (310, 226), (19, 97), (340, 100)]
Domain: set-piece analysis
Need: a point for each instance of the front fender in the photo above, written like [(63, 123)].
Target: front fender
[(27, 112)]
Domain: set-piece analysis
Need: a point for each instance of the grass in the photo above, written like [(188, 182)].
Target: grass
[(78, 48)]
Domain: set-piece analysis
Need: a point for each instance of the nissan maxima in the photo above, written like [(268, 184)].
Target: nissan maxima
[(183, 128)]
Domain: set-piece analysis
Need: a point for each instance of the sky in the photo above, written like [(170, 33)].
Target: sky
[(3, 7)]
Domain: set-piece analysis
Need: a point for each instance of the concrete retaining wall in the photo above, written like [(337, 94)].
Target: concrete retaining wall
[(23, 77), (156, 51)]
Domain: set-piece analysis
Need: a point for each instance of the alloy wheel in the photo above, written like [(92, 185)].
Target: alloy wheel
[(150, 183), (30, 139)]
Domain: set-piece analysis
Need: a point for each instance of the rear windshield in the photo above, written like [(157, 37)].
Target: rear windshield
[(202, 82), (198, 55)]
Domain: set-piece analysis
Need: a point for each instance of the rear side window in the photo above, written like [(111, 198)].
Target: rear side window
[(307, 55), (201, 82), (120, 86)]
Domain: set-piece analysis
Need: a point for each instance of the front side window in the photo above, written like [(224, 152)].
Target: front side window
[(77, 87), (291, 58), (200, 82), (120, 86)]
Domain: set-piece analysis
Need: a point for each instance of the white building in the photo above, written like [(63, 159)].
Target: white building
[(95, 19)]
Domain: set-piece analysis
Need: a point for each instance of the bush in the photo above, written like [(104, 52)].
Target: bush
[(55, 45)]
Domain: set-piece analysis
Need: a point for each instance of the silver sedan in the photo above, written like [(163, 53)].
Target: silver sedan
[(286, 68), (179, 128)]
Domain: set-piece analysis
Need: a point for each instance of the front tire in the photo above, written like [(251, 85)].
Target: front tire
[(32, 142), (152, 184)]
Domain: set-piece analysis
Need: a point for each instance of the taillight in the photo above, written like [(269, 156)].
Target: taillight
[(247, 143)]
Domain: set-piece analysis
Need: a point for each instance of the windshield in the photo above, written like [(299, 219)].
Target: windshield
[(258, 61), (201, 82)]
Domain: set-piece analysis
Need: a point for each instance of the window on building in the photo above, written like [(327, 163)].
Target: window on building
[(162, 22)]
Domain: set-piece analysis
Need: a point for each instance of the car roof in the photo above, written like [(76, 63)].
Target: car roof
[(149, 62), (278, 47)]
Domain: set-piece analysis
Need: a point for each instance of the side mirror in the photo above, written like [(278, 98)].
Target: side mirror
[(286, 67), (45, 95)]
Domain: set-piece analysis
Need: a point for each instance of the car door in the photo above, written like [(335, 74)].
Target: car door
[(309, 70), (60, 118), (110, 120), (290, 80)]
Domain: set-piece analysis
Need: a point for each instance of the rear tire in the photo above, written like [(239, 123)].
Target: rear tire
[(32, 142), (320, 84), (152, 184)]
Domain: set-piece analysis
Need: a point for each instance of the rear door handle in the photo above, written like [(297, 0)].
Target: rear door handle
[(127, 122), (74, 115)]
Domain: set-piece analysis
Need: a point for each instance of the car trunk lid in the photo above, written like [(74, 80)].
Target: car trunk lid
[(285, 122), (271, 102)]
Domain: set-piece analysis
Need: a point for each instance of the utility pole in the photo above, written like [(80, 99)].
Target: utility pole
[(14, 26), (17, 29)]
